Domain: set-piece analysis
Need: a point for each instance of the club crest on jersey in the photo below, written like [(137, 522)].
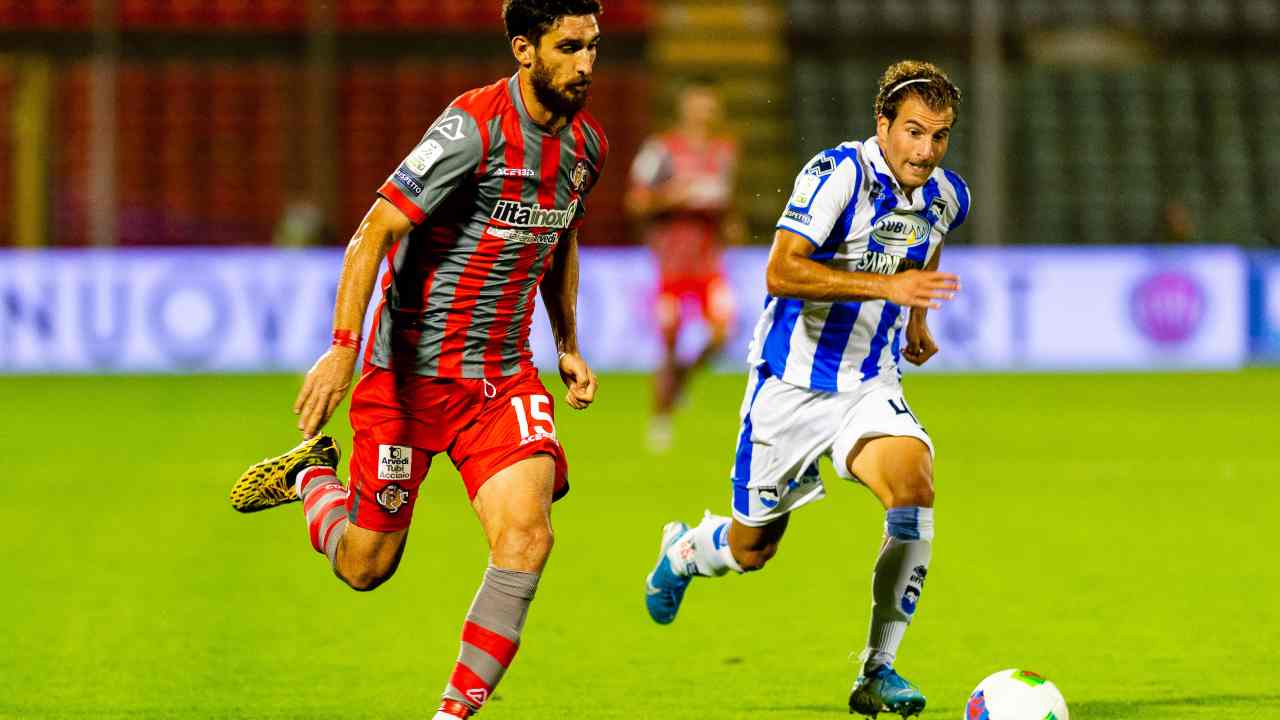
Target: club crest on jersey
[(392, 497), (901, 230), (518, 214), (937, 207), (578, 178)]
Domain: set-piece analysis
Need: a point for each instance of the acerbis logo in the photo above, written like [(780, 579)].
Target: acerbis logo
[(517, 214), (820, 167), (901, 230), (515, 172), (450, 128), (478, 695)]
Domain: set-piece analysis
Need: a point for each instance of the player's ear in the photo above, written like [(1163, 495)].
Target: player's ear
[(882, 129), (523, 50)]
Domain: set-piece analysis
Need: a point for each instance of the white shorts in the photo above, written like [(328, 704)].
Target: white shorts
[(786, 429)]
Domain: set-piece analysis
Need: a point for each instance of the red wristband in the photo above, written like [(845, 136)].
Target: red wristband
[(346, 339)]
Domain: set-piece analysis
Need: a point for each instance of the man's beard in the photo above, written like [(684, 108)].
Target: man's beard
[(561, 104)]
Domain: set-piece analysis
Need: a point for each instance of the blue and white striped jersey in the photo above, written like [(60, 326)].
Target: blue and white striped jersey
[(847, 202)]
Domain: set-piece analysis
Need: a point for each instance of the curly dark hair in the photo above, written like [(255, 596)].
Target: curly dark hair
[(937, 91), (533, 18)]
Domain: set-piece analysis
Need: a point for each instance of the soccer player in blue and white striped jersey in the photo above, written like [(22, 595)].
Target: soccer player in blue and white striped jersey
[(851, 276)]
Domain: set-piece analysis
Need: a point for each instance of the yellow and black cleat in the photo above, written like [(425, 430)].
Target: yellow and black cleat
[(270, 482)]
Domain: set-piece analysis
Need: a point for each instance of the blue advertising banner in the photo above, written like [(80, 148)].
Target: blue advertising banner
[(1264, 306), (238, 310)]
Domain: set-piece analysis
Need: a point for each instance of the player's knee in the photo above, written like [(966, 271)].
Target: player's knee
[(914, 489), (365, 577), (364, 569), (755, 558), (524, 548)]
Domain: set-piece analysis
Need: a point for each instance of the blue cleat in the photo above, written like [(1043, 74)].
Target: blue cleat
[(884, 690), (664, 588)]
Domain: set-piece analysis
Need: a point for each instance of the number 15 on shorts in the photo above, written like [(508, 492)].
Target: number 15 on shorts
[(534, 417)]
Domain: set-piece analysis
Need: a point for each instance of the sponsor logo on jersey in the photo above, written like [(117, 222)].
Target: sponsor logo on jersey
[(391, 498), (407, 179), (518, 214), (578, 178), (802, 218), (515, 172), (884, 264), (526, 237), (423, 157), (901, 230), (393, 462), (450, 128)]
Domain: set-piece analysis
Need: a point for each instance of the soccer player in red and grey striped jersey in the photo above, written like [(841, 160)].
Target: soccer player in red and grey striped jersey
[(482, 213)]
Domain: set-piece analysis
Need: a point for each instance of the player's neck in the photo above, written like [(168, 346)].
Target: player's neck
[(695, 135), (539, 113)]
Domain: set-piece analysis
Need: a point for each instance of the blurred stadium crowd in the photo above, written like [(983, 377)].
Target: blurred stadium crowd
[(230, 122)]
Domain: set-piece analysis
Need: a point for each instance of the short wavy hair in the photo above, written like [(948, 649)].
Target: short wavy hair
[(933, 88), (533, 18)]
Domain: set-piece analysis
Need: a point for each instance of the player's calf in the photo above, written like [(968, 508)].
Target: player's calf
[(490, 638)]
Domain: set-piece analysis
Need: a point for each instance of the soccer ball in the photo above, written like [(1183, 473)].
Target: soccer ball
[(1016, 695)]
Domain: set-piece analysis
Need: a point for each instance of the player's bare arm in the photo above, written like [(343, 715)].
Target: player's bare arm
[(560, 295), (920, 345), (643, 203), (329, 379), (793, 273)]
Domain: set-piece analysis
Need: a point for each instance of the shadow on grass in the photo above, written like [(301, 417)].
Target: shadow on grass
[(1107, 709)]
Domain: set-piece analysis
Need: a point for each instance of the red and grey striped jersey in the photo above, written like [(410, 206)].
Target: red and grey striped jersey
[(490, 195)]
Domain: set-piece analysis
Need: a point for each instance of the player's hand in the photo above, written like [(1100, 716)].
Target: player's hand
[(579, 379), (922, 288), (920, 345), (675, 195), (322, 391)]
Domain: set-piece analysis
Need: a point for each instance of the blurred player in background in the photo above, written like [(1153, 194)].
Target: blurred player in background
[(681, 192), (859, 241), (480, 215)]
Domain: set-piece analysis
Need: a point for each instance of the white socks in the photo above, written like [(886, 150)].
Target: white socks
[(704, 549), (898, 581)]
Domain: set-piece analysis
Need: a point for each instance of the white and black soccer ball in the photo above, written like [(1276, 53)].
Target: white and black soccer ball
[(1016, 695)]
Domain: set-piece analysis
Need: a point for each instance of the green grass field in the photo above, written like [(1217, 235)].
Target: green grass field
[(1114, 532)]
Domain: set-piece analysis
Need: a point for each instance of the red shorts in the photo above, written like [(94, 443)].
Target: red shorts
[(710, 292), (402, 420)]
